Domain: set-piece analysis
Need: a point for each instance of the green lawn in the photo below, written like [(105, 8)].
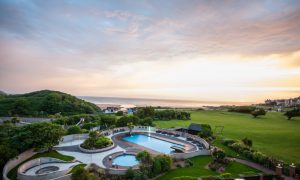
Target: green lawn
[(13, 173), (272, 134), (199, 168)]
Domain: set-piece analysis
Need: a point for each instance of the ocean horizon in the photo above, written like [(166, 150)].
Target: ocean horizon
[(156, 102)]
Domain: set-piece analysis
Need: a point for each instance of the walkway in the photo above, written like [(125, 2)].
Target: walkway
[(62, 166), (258, 166), (96, 158)]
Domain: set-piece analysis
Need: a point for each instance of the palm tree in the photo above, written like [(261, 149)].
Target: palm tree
[(130, 126)]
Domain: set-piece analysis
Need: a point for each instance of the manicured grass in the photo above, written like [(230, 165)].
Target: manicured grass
[(13, 173), (272, 134), (199, 169)]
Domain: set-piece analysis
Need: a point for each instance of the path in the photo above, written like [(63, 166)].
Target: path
[(258, 166)]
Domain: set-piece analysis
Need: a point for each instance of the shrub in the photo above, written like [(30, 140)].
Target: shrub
[(206, 131), (256, 156), (129, 173), (89, 126), (80, 174), (161, 163), (185, 178), (226, 175), (119, 113), (178, 165), (188, 162), (156, 167), (218, 154), (211, 178), (96, 141), (227, 142), (242, 109), (102, 142), (247, 142), (74, 130)]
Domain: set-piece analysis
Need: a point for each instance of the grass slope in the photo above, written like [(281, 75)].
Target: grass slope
[(199, 168), (272, 134)]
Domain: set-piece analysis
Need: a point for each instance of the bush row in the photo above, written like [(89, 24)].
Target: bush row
[(256, 156)]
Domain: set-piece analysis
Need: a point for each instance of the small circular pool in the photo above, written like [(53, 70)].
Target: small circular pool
[(47, 169), (125, 160)]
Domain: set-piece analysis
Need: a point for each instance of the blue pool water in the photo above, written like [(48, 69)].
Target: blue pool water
[(152, 143), (125, 160)]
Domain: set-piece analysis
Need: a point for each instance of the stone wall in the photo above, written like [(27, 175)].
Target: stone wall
[(14, 162), (190, 154), (73, 137)]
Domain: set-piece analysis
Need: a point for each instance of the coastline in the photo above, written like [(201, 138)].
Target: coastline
[(140, 102)]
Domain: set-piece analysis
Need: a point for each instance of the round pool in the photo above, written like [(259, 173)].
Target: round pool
[(125, 160), (47, 169)]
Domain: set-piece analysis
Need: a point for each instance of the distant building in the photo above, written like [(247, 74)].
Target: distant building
[(110, 110), (192, 129), (283, 102), (130, 110)]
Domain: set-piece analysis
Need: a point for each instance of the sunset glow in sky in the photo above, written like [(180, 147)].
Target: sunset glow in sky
[(244, 51)]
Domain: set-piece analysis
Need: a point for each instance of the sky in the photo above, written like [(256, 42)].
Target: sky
[(242, 51)]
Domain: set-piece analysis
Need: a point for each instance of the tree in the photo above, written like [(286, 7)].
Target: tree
[(20, 107), (205, 131), (119, 113), (258, 112), (293, 113), (74, 130), (144, 157), (80, 174), (148, 121), (247, 142), (56, 116), (41, 135), (145, 112)]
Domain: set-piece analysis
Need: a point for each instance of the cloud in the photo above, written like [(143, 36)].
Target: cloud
[(98, 47)]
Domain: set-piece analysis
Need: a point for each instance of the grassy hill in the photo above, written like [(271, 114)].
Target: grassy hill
[(272, 134), (43, 103)]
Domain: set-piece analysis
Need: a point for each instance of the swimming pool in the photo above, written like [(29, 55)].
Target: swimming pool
[(125, 160), (152, 143)]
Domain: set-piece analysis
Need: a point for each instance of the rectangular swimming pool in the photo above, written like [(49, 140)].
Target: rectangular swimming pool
[(152, 143)]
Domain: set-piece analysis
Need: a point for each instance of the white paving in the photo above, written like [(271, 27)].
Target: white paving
[(61, 166), (96, 158)]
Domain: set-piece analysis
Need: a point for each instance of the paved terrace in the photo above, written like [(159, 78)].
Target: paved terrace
[(70, 145)]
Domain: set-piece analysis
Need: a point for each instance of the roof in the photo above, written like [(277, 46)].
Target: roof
[(195, 127)]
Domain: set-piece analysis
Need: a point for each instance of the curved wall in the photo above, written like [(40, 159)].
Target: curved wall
[(35, 162)]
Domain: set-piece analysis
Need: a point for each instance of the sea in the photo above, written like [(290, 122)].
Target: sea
[(138, 102)]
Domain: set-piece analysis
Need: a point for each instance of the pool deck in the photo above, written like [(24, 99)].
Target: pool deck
[(70, 148), (132, 146), (108, 162), (88, 158)]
